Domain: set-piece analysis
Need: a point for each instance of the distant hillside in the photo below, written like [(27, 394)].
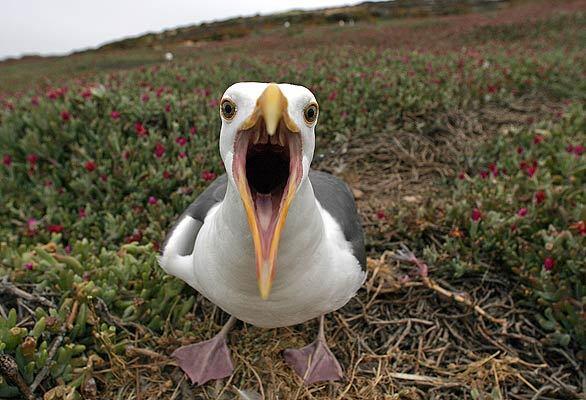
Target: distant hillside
[(195, 35)]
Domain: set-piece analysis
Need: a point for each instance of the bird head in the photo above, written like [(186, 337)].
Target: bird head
[(267, 141)]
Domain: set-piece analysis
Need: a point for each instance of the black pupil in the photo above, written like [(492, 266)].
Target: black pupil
[(310, 113), (227, 108)]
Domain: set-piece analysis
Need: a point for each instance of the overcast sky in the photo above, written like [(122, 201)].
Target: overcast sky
[(60, 26)]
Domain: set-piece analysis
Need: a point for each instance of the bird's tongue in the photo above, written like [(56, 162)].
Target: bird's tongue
[(267, 211)]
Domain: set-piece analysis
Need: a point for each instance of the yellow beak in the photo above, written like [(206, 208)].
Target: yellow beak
[(272, 107)]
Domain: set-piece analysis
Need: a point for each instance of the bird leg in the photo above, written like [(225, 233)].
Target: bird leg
[(315, 362), (207, 360)]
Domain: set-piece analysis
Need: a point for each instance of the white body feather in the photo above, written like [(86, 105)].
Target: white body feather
[(316, 271)]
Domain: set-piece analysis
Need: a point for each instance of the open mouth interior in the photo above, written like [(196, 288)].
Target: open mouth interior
[(268, 169)]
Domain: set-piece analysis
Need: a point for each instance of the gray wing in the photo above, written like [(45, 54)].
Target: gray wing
[(198, 210), (337, 199)]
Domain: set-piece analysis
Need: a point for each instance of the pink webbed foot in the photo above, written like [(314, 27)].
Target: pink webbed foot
[(315, 362), (207, 360)]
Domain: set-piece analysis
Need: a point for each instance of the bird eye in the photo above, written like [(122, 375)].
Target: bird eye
[(228, 109), (310, 113)]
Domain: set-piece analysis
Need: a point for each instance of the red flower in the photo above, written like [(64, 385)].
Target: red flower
[(159, 150), (539, 196), (166, 175), (152, 200), (494, 169), (115, 115), (578, 150), (520, 150), (81, 213), (140, 129), (145, 97), (513, 228), (193, 130), (86, 94), (208, 176), (65, 116), (522, 212), (35, 101), (462, 175), (476, 215), (7, 160), (104, 178), (548, 263), (380, 214), (538, 139), (182, 154), (32, 159), (483, 174), (181, 141), (167, 107), (28, 266), (126, 154), (492, 88), (89, 166), (56, 228), (332, 96)]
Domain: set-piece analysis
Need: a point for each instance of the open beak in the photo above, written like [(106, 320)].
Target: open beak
[(267, 169)]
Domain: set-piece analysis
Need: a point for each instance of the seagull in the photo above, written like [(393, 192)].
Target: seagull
[(271, 242)]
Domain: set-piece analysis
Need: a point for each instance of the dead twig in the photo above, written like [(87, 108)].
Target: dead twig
[(407, 255)]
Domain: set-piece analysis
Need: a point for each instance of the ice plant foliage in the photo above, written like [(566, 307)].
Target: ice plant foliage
[(529, 220)]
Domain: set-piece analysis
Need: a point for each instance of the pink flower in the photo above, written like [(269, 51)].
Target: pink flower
[(578, 150), (167, 107), (181, 141), (31, 227), (548, 263), (166, 175), (182, 154), (476, 215), (28, 266), (115, 115), (65, 116), (81, 213), (522, 212), (332, 96), (152, 200), (539, 196), (380, 214), (145, 97), (208, 176), (193, 130), (538, 139), (32, 159), (159, 150), (140, 129), (89, 166), (7, 160), (86, 94), (483, 174), (55, 228), (35, 101), (68, 249)]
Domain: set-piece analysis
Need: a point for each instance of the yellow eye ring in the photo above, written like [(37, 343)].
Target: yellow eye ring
[(310, 113), (227, 109)]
